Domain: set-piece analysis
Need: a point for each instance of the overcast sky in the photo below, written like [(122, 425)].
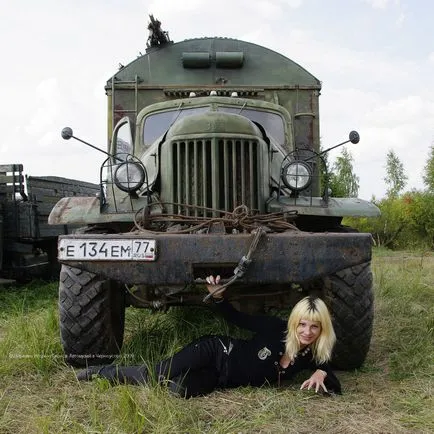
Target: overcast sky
[(375, 59)]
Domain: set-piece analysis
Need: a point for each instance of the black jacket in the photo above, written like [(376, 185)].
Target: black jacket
[(256, 361)]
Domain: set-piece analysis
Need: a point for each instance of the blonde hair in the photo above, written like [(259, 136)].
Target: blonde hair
[(311, 309)]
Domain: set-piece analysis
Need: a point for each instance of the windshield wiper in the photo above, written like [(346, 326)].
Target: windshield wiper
[(177, 115), (242, 108)]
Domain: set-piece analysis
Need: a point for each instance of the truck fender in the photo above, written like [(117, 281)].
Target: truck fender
[(75, 210)]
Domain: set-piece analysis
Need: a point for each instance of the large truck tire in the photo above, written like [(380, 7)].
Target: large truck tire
[(92, 317), (349, 294)]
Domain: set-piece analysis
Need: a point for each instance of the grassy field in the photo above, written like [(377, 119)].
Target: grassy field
[(391, 394)]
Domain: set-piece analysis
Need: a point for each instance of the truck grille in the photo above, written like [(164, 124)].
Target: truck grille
[(214, 173)]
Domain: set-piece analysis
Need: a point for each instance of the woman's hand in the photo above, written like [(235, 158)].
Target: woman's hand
[(316, 380), (212, 285)]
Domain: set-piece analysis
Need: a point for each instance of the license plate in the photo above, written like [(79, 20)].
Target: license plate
[(107, 250)]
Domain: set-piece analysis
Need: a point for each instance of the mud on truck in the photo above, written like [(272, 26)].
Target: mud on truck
[(213, 166)]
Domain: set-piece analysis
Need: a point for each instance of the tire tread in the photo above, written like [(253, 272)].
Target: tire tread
[(87, 327)]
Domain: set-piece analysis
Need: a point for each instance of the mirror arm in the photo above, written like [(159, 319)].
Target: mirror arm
[(67, 134), (333, 147), (92, 146), (354, 138)]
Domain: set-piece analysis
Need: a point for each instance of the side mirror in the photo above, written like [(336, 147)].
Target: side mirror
[(67, 133), (354, 137)]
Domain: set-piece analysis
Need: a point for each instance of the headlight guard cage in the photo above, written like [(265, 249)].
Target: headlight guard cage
[(107, 179), (317, 165)]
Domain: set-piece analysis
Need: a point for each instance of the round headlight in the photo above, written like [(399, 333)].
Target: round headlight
[(129, 176), (297, 175)]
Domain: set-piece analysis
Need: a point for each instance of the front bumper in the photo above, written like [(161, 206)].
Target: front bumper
[(279, 258)]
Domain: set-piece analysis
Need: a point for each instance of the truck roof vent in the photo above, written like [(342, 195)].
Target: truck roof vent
[(242, 92), (222, 59), (229, 59), (196, 60)]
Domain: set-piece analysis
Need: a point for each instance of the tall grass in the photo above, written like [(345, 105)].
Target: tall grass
[(405, 293), (29, 330), (392, 393)]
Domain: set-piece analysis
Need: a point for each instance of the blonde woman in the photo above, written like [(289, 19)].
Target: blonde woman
[(277, 351)]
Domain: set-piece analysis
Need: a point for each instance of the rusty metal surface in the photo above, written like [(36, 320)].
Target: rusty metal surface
[(279, 258), (87, 210), (336, 207)]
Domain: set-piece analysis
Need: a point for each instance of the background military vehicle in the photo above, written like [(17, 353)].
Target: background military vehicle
[(28, 245), (213, 167)]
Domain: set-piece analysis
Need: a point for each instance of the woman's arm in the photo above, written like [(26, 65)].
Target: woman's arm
[(254, 323)]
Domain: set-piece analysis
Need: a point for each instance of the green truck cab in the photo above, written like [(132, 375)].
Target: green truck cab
[(213, 166)]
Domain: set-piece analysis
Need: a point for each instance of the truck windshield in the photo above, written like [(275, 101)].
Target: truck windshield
[(272, 122), (157, 124)]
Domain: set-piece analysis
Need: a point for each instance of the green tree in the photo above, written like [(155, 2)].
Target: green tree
[(428, 176), (388, 229), (342, 180), (406, 221), (395, 178), (422, 217)]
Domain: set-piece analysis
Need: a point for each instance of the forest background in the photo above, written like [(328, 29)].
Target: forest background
[(407, 217)]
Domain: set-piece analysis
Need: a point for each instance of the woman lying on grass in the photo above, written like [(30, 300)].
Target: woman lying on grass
[(277, 351)]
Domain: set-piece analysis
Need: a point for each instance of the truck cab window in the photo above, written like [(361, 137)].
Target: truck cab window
[(156, 124), (272, 122), (122, 139)]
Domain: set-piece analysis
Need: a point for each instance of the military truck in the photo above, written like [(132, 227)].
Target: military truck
[(28, 245), (213, 166)]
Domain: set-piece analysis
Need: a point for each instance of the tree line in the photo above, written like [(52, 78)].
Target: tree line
[(407, 217)]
